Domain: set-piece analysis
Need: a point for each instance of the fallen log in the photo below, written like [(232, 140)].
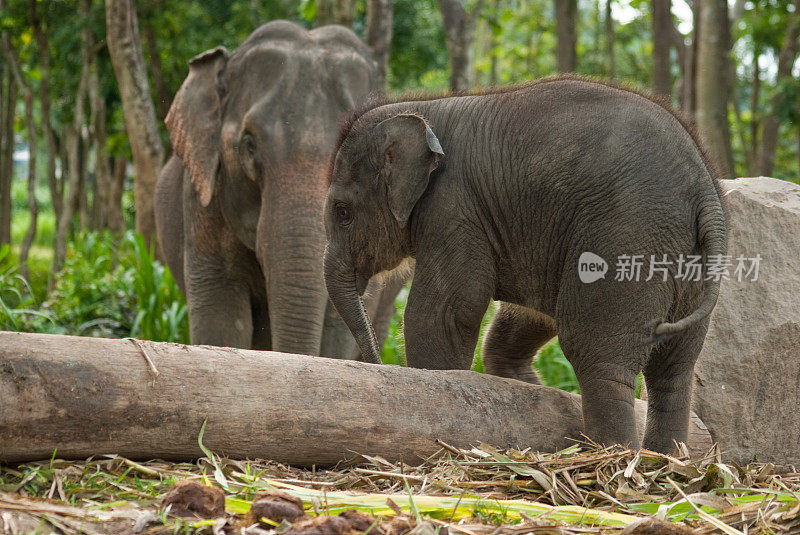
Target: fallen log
[(144, 400)]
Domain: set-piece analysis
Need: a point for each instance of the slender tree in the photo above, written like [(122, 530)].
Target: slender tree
[(379, 33), (102, 170), (28, 96), (713, 85), (611, 63), (786, 60), (8, 101), (755, 111), (116, 219), (40, 34), (688, 91), (336, 12), (163, 95), (567, 38), (679, 43), (662, 40), (72, 204), (459, 32), (125, 47)]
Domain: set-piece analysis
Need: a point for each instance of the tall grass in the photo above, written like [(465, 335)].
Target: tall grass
[(15, 293), (109, 286), (161, 309)]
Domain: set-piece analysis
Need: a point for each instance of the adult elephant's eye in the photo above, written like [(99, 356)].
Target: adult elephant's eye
[(249, 144), (343, 213)]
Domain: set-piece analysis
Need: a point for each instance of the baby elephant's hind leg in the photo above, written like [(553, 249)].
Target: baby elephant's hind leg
[(515, 335), (669, 375)]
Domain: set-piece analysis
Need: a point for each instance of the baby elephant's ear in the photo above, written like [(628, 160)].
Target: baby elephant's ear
[(411, 153), (194, 120)]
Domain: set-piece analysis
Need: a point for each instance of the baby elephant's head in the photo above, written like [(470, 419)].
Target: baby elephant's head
[(381, 170)]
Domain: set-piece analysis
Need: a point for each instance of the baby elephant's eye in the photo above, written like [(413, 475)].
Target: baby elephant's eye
[(343, 213)]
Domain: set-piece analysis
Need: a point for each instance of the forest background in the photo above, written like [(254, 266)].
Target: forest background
[(85, 86)]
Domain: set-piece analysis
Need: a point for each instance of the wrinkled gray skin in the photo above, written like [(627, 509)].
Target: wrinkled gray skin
[(496, 196), (239, 205)]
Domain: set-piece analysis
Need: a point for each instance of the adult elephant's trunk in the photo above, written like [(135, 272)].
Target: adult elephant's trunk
[(291, 258), (340, 278)]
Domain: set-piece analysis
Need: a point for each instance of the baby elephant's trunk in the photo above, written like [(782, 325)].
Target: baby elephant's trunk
[(340, 278)]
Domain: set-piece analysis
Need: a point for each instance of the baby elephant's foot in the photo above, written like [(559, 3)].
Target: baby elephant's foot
[(519, 369)]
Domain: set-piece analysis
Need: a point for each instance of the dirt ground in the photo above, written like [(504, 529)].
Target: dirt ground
[(481, 491)]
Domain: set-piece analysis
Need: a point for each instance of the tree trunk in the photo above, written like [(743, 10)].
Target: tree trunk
[(379, 33), (33, 206), (712, 84), (140, 118), (679, 42), (611, 63), (163, 95), (43, 49), (144, 400), (8, 104), (336, 12), (74, 144), (494, 75), (102, 171), (344, 12), (786, 59), (741, 132), (30, 126), (662, 40), (84, 186), (755, 113), (459, 33), (116, 219), (566, 34), (689, 68)]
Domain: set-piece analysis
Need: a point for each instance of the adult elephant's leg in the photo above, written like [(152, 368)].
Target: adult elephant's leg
[(219, 273), (219, 309), (515, 335), (669, 374)]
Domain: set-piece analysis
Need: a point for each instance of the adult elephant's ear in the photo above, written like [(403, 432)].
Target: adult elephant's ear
[(194, 120), (411, 153)]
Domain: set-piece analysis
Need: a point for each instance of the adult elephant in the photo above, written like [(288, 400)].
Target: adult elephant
[(239, 204)]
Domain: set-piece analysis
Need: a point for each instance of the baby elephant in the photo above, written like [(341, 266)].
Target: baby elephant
[(585, 209)]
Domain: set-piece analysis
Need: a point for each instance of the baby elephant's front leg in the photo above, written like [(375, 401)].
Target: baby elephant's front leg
[(441, 329)]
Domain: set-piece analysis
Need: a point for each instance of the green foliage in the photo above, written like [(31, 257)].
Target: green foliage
[(161, 309), (91, 295), (554, 368), (418, 57), (109, 286), (15, 294), (394, 351)]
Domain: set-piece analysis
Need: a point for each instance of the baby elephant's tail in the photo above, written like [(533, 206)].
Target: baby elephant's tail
[(712, 237)]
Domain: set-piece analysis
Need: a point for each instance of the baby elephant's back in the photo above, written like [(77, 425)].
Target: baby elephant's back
[(610, 167)]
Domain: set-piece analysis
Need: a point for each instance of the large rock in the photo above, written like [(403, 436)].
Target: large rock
[(747, 379)]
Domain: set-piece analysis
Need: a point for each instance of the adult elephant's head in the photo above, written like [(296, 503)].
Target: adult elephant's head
[(255, 130)]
